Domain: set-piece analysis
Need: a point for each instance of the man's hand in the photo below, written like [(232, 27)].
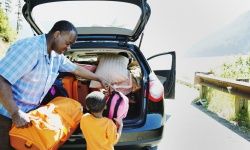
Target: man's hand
[(84, 73), (104, 83), (20, 119)]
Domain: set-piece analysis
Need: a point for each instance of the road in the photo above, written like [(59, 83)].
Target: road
[(188, 128)]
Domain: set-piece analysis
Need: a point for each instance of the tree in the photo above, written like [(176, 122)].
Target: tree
[(19, 16), (8, 8), (6, 32)]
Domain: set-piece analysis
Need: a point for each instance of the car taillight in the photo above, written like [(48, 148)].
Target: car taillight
[(156, 89)]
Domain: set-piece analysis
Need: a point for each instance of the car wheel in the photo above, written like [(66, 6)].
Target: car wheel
[(150, 148)]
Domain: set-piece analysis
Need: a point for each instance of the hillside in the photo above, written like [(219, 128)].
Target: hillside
[(231, 40)]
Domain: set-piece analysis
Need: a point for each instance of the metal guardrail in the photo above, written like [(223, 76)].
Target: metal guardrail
[(238, 88), (240, 91)]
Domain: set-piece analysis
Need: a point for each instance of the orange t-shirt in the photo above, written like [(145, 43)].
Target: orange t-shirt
[(99, 133)]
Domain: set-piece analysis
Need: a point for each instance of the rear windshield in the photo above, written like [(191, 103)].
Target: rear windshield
[(87, 14)]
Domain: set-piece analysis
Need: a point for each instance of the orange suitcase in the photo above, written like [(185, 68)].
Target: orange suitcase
[(67, 84), (52, 125), (80, 91)]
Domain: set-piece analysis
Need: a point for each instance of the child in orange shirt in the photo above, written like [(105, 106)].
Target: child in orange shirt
[(100, 133)]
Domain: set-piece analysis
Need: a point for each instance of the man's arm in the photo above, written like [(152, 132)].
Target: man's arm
[(19, 118), (6, 97), (84, 73)]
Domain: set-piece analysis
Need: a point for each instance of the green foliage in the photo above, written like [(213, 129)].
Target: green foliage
[(221, 103), (240, 69), (6, 32), (242, 118)]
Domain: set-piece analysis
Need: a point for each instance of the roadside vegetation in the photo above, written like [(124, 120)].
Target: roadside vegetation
[(224, 104), (7, 33), (238, 70)]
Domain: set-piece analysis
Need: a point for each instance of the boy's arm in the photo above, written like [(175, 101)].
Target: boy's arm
[(119, 125)]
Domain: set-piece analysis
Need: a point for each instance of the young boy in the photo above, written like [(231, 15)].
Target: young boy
[(100, 132)]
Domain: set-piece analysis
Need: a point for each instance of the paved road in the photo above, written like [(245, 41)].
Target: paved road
[(188, 128)]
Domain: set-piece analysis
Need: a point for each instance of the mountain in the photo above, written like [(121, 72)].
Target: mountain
[(231, 40)]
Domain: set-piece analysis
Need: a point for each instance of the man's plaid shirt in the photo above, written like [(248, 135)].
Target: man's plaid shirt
[(30, 71)]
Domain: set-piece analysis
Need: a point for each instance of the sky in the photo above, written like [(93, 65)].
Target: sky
[(175, 25), (178, 24)]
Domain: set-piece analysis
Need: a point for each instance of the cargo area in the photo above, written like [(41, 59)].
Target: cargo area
[(92, 59)]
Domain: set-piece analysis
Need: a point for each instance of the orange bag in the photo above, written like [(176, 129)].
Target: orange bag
[(67, 84), (52, 125), (80, 91)]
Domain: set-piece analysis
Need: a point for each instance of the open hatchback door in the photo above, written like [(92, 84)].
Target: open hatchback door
[(115, 20)]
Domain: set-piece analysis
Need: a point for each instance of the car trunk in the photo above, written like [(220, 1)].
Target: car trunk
[(89, 58), (78, 87)]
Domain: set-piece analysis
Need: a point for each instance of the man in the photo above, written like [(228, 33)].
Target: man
[(29, 69)]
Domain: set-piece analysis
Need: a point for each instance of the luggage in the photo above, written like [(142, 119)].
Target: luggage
[(124, 87), (56, 90), (76, 89), (67, 84), (117, 105), (52, 125), (80, 91)]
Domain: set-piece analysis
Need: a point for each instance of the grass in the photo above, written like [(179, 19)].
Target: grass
[(221, 103), (225, 106)]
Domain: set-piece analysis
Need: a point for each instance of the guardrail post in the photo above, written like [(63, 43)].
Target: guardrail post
[(203, 92), (244, 105), (241, 107), (241, 104), (248, 111), (237, 104)]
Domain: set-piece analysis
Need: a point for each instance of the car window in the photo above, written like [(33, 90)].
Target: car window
[(163, 62), (87, 14)]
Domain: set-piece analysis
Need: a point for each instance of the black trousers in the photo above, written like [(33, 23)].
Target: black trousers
[(5, 125)]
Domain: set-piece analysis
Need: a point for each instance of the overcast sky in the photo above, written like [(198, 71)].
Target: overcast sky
[(178, 24)]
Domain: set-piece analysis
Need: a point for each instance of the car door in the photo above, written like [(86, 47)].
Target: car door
[(165, 69)]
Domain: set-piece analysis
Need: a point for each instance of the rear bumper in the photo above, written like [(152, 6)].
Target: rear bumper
[(148, 135), (141, 139), (133, 140)]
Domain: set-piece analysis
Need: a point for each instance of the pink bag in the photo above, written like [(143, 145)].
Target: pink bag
[(117, 105)]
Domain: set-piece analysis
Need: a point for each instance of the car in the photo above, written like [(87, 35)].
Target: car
[(113, 27)]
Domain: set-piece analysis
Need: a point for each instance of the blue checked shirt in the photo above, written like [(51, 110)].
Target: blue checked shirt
[(31, 72)]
